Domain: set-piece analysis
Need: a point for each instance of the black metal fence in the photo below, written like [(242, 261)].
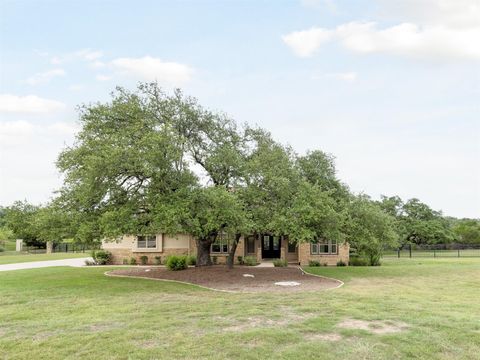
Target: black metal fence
[(63, 248), (434, 251)]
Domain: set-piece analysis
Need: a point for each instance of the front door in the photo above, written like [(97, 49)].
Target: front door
[(271, 247)]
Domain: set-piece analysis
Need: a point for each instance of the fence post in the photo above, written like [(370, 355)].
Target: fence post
[(410, 248), (458, 252), (398, 253), (434, 253)]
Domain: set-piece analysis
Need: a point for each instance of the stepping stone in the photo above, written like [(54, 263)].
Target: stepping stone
[(287, 283), (248, 275)]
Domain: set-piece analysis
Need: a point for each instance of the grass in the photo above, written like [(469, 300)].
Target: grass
[(68, 313), (11, 257), (9, 245)]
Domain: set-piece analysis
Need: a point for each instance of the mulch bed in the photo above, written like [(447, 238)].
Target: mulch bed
[(221, 278)]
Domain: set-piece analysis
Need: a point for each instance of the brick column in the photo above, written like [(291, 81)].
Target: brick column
[(259, 254)]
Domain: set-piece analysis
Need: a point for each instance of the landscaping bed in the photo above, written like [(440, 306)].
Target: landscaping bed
[(221, 278)]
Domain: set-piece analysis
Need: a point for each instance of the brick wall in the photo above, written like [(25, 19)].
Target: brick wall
[(118, 254), (304, 255)]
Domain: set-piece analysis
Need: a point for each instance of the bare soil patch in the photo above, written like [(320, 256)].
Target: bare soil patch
[(324, 337), (375, 327), (221, 278)]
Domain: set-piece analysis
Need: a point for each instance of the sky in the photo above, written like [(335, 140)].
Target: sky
[(391, 88)]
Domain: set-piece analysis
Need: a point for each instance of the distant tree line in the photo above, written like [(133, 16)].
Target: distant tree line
[(149, 162)]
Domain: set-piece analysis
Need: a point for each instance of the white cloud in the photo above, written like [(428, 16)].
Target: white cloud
[(433, 29), (344, 76), (83, 54), (318, 4), (102, 77), (149, 68), (451, 13), (28, 104), (28, 149), (45, 77), (75, 87), (63, 128), (11, 132), (406, 39), (305, 43), (97, 64)]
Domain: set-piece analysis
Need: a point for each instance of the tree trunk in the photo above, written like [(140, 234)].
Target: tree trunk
[(233, 248), (49, 248), (203, 251)]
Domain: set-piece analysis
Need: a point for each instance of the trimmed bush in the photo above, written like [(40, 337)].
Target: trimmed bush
[(250, 261), (358, 261), (133, 261), (240, 260), (125, 261), (144, 259), (280, 263), (2, 249), (314, 263), (158, 260), (214, 260), (341, 263), (176, 263), (102, 257), (191, 260)]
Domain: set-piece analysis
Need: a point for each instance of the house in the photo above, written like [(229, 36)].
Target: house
[(261, 246)]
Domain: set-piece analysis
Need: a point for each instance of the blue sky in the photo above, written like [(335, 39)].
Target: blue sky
[(390, 87)]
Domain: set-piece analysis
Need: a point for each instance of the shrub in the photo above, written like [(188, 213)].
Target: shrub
[(102, 257), (214, 260), (125, 261), (250, 260), (280, 263), (358, 261), (175, 262), (2, 249), (143, 260), (325, 264), (374, 260), (240, 260), (191, 260), (314, 263), (89, 262), (133, 261), (158, 260), (341, 263)]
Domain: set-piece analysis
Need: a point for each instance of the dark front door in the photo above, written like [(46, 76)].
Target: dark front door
[(270, 247)]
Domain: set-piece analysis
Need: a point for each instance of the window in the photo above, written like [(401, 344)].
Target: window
[(222, 244), (266, 242), (147, 242), (323, 247), (251, 245), (292, 247), (276, 243)]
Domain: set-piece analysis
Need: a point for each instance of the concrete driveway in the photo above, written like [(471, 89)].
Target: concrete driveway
[(77, 262)]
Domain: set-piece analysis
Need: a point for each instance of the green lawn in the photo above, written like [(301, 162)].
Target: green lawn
[(69, 313), (11, 257)]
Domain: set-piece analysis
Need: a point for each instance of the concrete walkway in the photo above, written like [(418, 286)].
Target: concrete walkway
[(268, 264), (76, 262)]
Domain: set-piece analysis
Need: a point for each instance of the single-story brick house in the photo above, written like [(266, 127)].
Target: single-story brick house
[(261, 246)]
